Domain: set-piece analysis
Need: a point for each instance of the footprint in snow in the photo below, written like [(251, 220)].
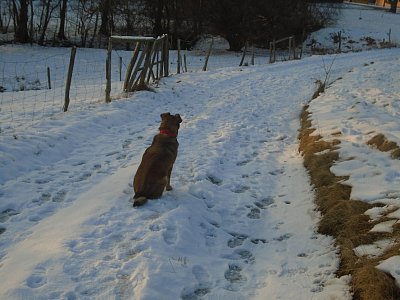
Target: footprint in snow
[(283, 237), (155, 227), (195, 293), (202, 288), (170, 235), (126, 144), (35, 218), (96, 167), (276, 172), (241, 254), (209, 234), (236, 240), (39, 201), (243, 162), (264, 203), (59, 196), (84, 176), (78, 163), (254, 213), (214, 179), (112, 153), (121, 156), (6, 214), (259, 241), (239, 189), (235, 277), (246, 256), (37, 279), (43, 180)]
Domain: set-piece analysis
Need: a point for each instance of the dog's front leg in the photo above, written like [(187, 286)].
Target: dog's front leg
[(169, 187)]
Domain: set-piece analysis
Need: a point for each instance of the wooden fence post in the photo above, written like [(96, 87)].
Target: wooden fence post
[(178, 70), (108, 71), (166, 56), (208, 55), (130, 66), (132, 80), (146, 67), (244, 54), (153, 61), (158, 69), (252, 55), (294, 49), (120, 68), (272, 52), (69, 78), (48, 78)]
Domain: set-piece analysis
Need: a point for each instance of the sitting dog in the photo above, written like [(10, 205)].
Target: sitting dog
[(154, 172)]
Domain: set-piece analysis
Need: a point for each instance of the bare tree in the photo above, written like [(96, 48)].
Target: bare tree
[(229, 18), (180, 19), (63, 14), (47, 11), (106, 12), (5, 15), (20, 17), (260, 21)]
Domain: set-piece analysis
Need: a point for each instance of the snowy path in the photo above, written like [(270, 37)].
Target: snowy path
[(239, 224)]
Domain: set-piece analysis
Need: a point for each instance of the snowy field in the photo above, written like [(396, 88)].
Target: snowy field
[(240, 222)]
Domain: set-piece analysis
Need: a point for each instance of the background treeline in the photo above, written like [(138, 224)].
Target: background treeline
[(88, 23)]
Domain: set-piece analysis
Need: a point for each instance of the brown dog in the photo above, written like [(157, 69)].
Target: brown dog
[(154, 172)]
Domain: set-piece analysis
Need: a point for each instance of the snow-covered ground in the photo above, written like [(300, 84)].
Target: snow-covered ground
[(240, 222)]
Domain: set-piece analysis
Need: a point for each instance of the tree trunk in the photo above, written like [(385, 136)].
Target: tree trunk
[(21, 30), (6, 23), (63, 15), (31, 29), (235, 41), (45, 22), (393, 6), (1, 19), (158, 18), (106, 17), (91, 44)]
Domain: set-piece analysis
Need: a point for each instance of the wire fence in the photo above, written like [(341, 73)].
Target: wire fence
[(33, 87), (25, 91), (33, 80)]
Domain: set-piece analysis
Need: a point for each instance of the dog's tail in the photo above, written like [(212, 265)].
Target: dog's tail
[(139, 200)]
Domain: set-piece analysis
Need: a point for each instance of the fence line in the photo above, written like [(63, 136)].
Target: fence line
[(24, 92), (25, 81), (25, 96)]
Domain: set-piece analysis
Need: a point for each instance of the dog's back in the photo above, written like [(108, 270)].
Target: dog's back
[(154, 172)]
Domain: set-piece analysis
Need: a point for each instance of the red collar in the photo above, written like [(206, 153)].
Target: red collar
[(168, 133)]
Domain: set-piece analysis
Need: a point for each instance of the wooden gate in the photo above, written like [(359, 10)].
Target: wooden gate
[(150, 60)]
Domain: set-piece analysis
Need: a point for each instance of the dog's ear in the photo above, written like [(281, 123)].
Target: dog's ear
[(178, 116), (164, 115)]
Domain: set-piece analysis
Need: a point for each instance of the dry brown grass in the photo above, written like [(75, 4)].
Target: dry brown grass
[(381, 143), (344, 218)]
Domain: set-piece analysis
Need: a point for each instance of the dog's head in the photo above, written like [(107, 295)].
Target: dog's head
[(170, 122)]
